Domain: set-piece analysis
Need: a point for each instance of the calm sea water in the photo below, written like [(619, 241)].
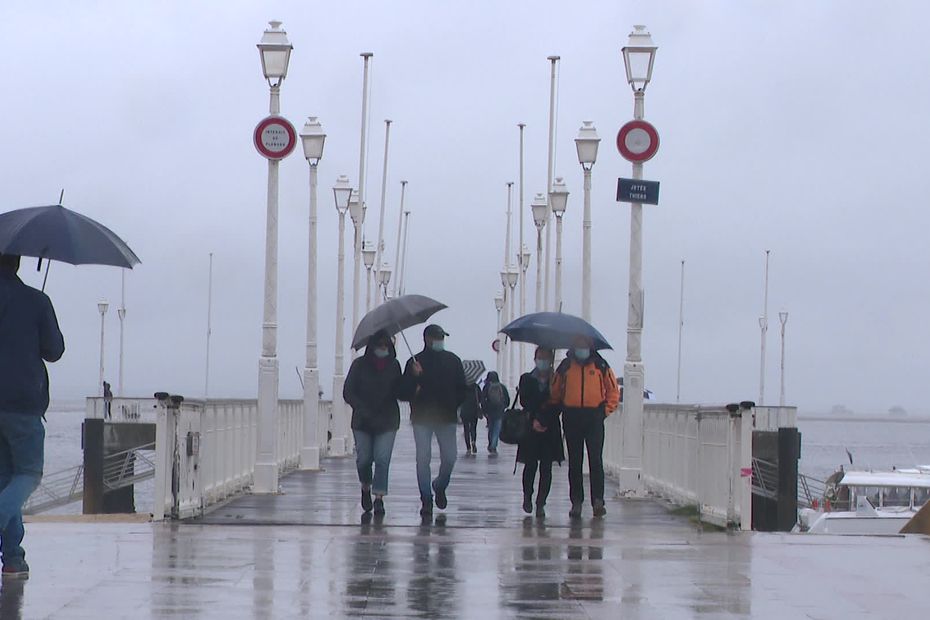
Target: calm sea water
[(878, 444)]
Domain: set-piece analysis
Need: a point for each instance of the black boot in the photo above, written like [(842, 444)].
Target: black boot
[(528, 502), (366, 499)]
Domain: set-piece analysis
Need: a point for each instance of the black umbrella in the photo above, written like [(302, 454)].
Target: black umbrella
[(553, 330), (57, 233), (395, 316)]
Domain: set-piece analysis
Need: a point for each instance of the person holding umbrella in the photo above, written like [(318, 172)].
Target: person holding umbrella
[(29, 334), (585, 388), (543, 443), (371, 389), (434, 385)]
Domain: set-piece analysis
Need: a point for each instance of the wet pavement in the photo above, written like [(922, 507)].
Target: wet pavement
[(308, 554)]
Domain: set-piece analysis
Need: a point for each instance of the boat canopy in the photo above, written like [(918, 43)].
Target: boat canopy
[(886, 479)]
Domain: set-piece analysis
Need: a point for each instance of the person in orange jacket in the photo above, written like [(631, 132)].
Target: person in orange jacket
[(586, 390)]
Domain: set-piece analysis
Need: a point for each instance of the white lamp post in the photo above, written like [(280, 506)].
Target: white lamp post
[(368, 257), (783, 318), (384, 279), (312, 139), (558, 200), (506, 343), (540, 215), (275, 52), (342, 193), (102, 306), (513, 277), (586, 144), (638, 58), (400, 221), (499, 306)]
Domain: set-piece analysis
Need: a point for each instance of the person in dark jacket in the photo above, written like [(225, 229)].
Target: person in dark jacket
[(29, 334), (469, 412), (434, 385), (543, 444), (371, 389), (494, 401)]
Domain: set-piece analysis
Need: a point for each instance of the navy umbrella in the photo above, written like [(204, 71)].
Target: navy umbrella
[(57, 233), (553, 330), (395, 316)]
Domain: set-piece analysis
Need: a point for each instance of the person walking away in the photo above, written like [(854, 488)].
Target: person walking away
[(371, 389), (543, 443), (107, 400), (29, 334), (469, 412), (585, 388), (434, 385), (494, 401)]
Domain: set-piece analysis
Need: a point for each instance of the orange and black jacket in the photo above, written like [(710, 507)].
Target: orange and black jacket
[(591, 385)]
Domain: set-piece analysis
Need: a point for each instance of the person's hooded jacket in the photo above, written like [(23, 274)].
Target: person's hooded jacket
[(588, 384), (372, 388), (435, 395), (494, 407), (29, 334)]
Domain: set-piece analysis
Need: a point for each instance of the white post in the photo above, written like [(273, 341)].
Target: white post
[(553, 62), (337, 445), (681, 324), (121, 312), (764, 329), (206, 373), (102, 308), (506, 343), (499, 305), (403, 264), (356, 276), (379, 249), (367, 289), (586, 249), (512, 366), (634, 372), (266, 466), (540, 304), (783, 318), (523, 267), (558, 263), (507, 257), (310, 452), (400, 226)]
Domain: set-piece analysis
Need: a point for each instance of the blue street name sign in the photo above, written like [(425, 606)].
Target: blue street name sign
[(633, 190)]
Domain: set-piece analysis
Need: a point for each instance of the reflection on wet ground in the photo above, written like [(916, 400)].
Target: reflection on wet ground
[(483, 560)]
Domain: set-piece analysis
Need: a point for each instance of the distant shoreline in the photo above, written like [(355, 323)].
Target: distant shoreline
[(846, 418)]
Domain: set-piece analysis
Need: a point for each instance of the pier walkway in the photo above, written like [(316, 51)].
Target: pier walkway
[(307, 554)]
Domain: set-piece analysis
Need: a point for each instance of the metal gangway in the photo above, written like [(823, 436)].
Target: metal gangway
[(811, 491), (120, 470)]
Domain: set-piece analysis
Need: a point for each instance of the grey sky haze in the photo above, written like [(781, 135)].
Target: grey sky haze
[(797, 127)]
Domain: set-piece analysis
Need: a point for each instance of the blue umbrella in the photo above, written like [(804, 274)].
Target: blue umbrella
[(553, 330), (57, 233)]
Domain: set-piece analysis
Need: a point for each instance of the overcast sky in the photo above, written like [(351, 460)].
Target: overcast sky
[(798, 127)]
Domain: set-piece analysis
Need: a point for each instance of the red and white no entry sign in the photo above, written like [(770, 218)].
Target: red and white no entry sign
[(496, 345), (637, 141), (275, 137)]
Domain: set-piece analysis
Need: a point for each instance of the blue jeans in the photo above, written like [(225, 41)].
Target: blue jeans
[(494, 431), (445, 437), (374, 448), (22, 453)]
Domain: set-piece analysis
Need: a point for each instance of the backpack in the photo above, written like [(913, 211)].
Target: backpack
[(496, 396)]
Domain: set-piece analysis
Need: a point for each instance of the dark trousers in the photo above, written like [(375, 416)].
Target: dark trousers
[(584, 429), (545, 480), (471, 433)]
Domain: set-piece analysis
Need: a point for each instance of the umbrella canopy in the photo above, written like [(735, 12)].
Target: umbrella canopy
[(473, 370), (57, 233), (553, 330), (394, 316)]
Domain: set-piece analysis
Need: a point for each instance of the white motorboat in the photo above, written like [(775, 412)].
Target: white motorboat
[(867, 502)]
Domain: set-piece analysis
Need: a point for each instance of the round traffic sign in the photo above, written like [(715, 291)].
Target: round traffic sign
[(496, 345), (637, 141), (275, 137)]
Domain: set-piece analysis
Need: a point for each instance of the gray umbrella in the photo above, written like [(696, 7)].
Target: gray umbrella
[(395, 316), (473, 370), (553, 330)]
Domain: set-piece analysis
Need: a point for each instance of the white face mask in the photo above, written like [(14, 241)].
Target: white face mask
[(543, 365), (381, 352), (438, 345), (582, 354)]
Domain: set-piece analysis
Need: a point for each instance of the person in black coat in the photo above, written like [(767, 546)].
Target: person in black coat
[(371, 389), (543, 444), (469, 412)]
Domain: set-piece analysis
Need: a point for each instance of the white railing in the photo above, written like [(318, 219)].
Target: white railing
[(774, 418), (122, 409), (206, 453), (699, 456)]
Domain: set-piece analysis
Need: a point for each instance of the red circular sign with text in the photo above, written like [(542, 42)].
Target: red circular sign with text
[(637, 141), (275, 137)]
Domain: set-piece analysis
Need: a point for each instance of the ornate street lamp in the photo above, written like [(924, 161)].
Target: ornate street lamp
[(558, 200), (586, 144)]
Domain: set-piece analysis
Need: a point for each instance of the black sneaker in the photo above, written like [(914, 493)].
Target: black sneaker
[(540, 511), (426, 508), (366, 500), (441, 501), (600, 509), (16, 571), (379, 506), (575, 512), (527, 503)]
